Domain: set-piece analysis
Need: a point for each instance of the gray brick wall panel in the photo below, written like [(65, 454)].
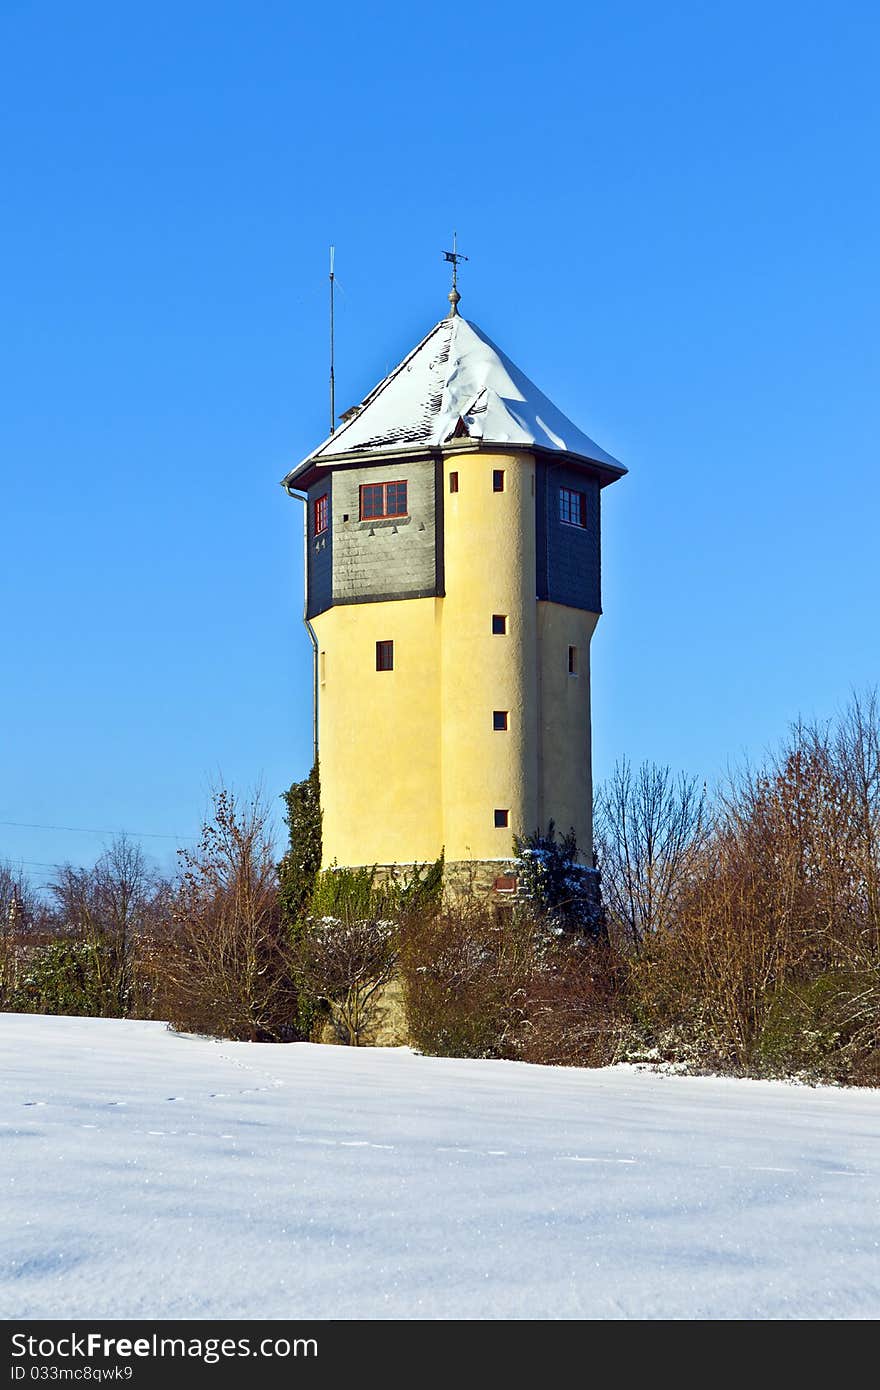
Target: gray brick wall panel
[(394, 557)]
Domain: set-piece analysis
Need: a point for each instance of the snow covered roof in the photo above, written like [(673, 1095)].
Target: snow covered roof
[(456, 384)]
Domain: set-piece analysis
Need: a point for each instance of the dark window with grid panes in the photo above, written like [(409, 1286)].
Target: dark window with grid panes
[(499, 720), (572, 507), (497, 479), (379, 500), (322, 513), (384, 656), (501, 819)]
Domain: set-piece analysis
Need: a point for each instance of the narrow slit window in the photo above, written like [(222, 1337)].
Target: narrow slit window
[(499, 720), (572, 661), (497, 479), (501, 819), (499, 624), (453, 482), (322, 513), (379, 500), (384, 656), (572, 507)]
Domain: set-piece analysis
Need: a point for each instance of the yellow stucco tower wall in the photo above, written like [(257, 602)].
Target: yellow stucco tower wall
[(411, 764), (379, 733), (453, 494)]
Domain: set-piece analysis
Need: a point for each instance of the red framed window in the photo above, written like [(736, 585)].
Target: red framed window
[(453, 482), (384, 656), (572, 507), (322, 513), (382, 499)]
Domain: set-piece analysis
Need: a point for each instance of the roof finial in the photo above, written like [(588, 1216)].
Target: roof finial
[(454, 256)]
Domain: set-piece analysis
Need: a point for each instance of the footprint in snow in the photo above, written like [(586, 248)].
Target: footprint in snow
[(580, 1158)]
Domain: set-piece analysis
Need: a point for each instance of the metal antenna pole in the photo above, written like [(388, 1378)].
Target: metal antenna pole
[(332, 348)]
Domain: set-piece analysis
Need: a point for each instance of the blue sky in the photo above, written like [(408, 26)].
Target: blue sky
[(671, 214)]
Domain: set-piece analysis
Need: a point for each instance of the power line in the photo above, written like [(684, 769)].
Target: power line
[(36, 863), (89, 830)]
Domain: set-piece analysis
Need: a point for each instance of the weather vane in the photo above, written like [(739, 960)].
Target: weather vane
[(454, 256)]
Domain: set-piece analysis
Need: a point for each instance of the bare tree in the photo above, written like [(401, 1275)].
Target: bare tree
[(229, 968), (20, 909), (649, 827), (19, 903), (110, 908), (857, 754)]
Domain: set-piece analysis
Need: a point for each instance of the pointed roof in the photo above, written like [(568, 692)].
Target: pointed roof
[(455, 384)]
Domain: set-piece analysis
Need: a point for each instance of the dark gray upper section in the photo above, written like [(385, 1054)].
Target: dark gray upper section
[(320, 553), (567, 558), (356, 561), (369, 561)]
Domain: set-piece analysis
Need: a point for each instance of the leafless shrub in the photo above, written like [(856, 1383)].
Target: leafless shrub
[(574, 1014), (770, 958), (228, 963), (465, 975), (345, 963), (706, 982), (478, 984)]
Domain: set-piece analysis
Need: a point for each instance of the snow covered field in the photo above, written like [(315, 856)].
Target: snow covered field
[(156, 1176)]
